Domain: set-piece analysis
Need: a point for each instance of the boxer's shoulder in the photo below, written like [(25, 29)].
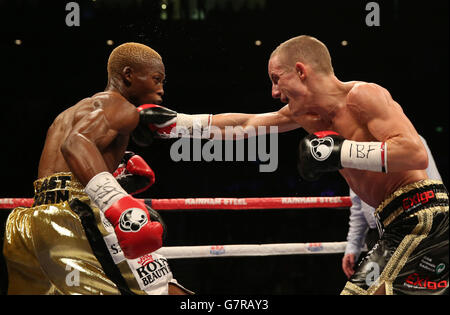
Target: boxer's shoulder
[(110, 99), (369, 98), (110, 105), (362, 92)]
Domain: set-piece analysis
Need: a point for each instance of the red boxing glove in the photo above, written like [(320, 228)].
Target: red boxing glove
[(160, 120), (137, 235), (134, 174)]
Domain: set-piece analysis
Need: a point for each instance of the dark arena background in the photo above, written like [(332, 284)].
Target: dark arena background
[(216, 55)]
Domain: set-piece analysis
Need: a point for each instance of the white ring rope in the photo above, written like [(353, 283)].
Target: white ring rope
[(178, 252)]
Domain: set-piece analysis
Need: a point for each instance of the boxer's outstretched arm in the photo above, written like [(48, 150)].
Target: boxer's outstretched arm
[(83, 147), (162, 122), (387, 122), (281, 119)]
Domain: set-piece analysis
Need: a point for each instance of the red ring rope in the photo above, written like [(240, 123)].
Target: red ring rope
[(221, 203)]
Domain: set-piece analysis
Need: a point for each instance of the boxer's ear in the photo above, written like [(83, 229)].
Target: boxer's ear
[(301, 70), (127, 73)]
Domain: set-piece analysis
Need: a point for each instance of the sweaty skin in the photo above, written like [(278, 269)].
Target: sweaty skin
[(89, 137), (368, 113), (358, 111)]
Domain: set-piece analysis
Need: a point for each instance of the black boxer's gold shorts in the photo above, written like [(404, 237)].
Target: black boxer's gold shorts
[(63, 245), (411, 256)]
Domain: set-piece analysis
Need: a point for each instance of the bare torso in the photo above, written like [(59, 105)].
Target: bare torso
[(52, 160), (373, 188)]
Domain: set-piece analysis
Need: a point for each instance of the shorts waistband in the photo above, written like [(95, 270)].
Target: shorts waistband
[(410, 199), (57, 188)]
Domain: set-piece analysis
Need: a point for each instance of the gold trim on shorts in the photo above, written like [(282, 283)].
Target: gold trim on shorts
[(405, 190), (57, 188), (400, 256), (45, 246)]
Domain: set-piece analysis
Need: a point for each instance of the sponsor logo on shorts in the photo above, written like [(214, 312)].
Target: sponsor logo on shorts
[(106, 224), (440, 268), (409, 203), (52, 190), (144, 260), (426, 263), (147, 270), (417, 281), (114, 248), (153, 270)]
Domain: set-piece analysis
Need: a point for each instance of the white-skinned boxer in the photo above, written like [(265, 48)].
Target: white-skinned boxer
[(362, 222), (355, 128)]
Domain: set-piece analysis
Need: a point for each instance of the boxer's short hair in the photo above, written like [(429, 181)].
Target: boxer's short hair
[(305, 49), (134, 55)]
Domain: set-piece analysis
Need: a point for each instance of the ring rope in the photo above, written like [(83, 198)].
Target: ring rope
[(177, 252), (221, 203), (205, 251)]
